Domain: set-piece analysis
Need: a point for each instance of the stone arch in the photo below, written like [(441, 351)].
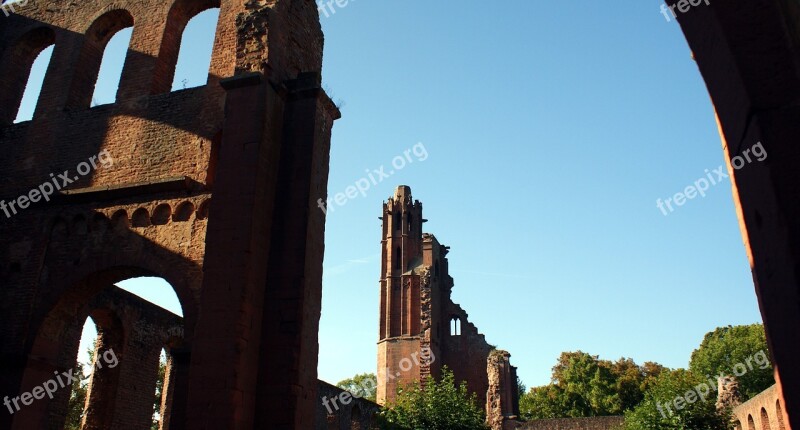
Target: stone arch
[(79, 224), (120, 221), (58, 330), (16, 68), (91, 55), (202, 211), (162, 214), (751, 424), (779, 413), (181, 12), (183, 212), (765, 420), (140, 218), (737, 425), (355, 418), (100, 223)]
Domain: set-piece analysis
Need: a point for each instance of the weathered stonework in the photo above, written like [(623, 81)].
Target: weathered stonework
[(212, 188), (357, 414), (746, 52), (762, 412), (416, 312)]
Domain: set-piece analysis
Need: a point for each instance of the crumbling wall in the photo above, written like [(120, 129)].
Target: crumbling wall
[(212, 188)]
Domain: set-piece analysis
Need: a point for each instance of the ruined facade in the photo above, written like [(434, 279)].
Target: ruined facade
[(212, 189), (747, 53), (762, 412), (417, 316)]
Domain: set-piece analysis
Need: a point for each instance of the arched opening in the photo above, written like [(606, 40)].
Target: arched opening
[(101, 60), (396, 220), (108, 78), (751, 424), (410, 222), (455, 326), (24, 66), (100, 346), (398, 259), (33, 87), (355, 418), (197, 44), (765, 420), (779, 413), (737, 425), (188, 40)]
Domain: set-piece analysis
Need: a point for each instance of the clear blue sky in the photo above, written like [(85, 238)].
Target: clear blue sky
[(551, 130)]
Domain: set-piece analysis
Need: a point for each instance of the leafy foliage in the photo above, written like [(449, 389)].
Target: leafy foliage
[(440, 405), (584, 386), (730, 350), (658, 410), (363, 385)]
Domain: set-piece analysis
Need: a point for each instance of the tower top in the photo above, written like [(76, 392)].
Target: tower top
[(402, 193)]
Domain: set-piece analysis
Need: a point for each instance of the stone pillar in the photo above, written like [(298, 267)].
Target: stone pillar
[(502, 392)]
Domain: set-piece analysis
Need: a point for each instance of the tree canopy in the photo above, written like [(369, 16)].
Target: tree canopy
[(363, 385), (739, 351)]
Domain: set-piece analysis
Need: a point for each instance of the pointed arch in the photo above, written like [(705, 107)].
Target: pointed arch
[(92, 54), (181, 12), (16, 67)]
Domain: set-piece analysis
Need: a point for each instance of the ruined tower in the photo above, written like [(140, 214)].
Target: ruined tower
[(421, 329)]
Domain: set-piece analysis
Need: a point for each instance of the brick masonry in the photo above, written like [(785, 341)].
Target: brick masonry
[(762, 412), (747, 55), (212, 188), (357, 414), (416, 313)]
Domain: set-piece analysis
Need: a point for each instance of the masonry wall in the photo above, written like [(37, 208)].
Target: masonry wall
[(764, 411), (747, 55), (212, 188), (357, 414)]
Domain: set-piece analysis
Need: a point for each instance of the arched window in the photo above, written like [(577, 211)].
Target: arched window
[(779, 413), (23, 68), (751, 424), (107, 85), (355, 418), (100, 61), (197, 45), (455, 327), (398, 259), (186, 48), (396, 220), (410, 222), (765, 420)]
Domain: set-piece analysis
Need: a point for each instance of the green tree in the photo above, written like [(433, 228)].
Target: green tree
[(77, 399), (363, 385), (659, 411), (79, 391), (739, 351), (441, 405), (162, 374), (584, 386)]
